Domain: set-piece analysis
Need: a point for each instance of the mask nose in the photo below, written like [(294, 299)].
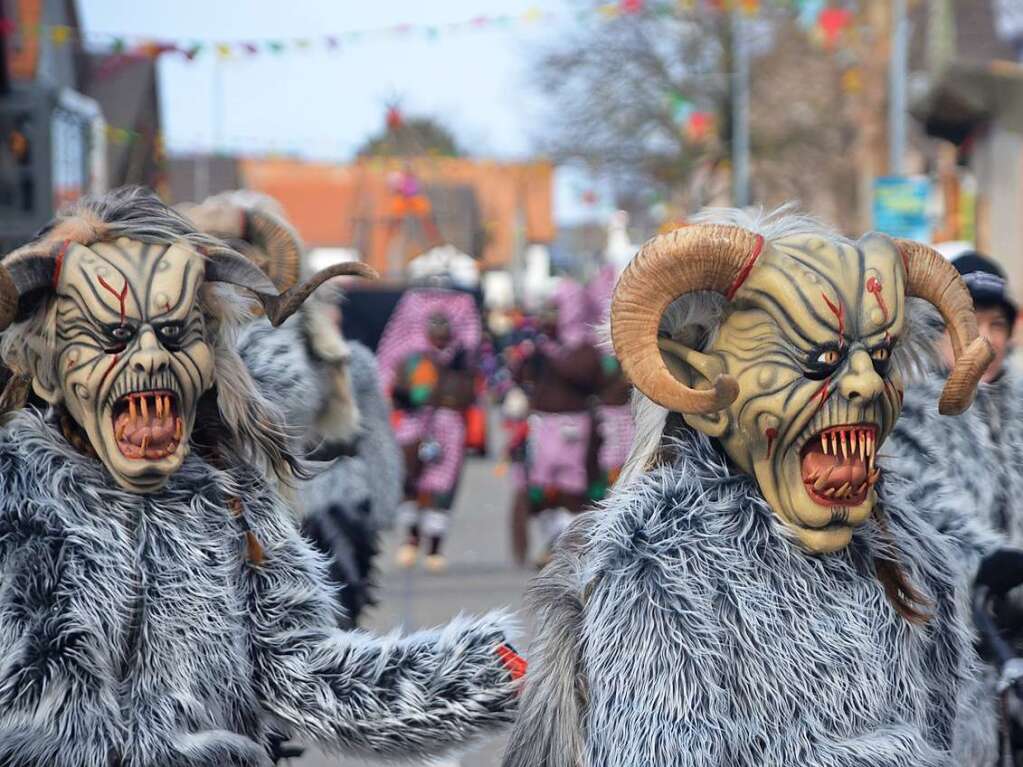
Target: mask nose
[(860, 383), (151, 357)]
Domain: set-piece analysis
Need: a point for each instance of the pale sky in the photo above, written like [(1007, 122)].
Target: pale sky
[(324, 104)]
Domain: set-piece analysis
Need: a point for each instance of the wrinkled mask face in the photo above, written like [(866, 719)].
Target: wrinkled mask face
[(809, 339), (132, 359)]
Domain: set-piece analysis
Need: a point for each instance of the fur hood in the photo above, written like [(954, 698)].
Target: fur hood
[(680, 627), (142, 630), (373, 474), (297, 367)]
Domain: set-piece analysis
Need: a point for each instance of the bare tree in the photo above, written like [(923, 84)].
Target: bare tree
[(613, 87)]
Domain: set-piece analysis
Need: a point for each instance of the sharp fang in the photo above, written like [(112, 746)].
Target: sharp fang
[(120, 431), (823, 479), (834, 443), (166, 406), (178, 428), (145, 407), (824, 443), (829, 492), (862, 439), (843, 491), (145, 445), (158, 400), (844, 442), (131, 408)]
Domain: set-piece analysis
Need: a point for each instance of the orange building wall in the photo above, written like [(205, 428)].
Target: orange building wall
[(345, 205)]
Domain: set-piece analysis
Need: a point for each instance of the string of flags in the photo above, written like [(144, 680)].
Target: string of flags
[(825, 19)]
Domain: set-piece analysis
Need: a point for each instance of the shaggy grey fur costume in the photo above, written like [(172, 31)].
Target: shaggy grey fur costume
[(680, 627), (355, 495), (135, 632), (977, 452)]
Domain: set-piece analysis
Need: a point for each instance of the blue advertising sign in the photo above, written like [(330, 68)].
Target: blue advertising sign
[(901, 207)]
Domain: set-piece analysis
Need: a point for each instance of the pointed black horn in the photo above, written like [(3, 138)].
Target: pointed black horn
[(234, 269)]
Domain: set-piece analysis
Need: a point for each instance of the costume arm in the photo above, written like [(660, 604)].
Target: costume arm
[(426, 693)]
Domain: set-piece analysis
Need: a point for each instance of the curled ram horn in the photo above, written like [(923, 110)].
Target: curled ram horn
[(931, 277), (697, 257)]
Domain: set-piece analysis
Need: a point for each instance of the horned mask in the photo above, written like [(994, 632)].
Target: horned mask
[(798, 383), (127, 349)]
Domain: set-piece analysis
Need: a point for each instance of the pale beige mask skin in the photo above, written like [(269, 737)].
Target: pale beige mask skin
[(808, 337), (131, 358)]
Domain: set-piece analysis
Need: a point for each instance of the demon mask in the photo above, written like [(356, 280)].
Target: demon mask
[(126, 348), (798, 383)]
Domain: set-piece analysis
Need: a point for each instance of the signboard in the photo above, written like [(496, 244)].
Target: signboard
[(902, 207)]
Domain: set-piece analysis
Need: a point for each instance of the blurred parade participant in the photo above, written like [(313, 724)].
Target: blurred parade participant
[(515, 421), (430, 352), (757, 591), (614, 413), (560, 374), (159, 606), (328, 390)]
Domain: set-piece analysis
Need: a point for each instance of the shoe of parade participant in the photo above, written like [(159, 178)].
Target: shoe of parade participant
[(407, 556), (436, 563)]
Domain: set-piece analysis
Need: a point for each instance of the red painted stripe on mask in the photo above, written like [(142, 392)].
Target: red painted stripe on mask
[(746, 268), (59, 265)]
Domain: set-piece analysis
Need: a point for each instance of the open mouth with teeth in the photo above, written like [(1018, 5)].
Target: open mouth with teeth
[(147, 425), (838, 465)]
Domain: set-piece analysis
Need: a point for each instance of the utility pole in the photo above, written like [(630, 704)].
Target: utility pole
[(897, 88), (740, 112)]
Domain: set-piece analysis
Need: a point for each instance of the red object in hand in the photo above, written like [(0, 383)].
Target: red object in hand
[(514, 662)]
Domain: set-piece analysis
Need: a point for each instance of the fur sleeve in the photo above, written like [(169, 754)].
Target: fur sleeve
[(57, 707), (424, 694), (547, 732)]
